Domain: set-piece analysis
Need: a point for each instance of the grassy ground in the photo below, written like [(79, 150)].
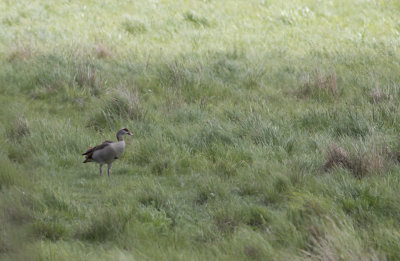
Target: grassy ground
[(263, 130)]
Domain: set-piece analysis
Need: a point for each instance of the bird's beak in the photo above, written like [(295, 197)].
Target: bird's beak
[(130, 133)]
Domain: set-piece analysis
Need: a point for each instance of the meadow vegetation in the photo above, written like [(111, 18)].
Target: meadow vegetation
[(263, 130)]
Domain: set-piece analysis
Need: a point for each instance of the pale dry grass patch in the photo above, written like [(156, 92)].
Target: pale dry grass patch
[(378, 95), (123, 104), (88, 77), (336, 157), (361, 162), (18, 129), (102, 51), (130, 97), (19, 53), (319, 82)]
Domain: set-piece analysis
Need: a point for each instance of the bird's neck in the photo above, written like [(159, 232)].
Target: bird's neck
[(120, 137)]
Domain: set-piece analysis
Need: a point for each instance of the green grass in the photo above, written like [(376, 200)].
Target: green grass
[(263, 130)]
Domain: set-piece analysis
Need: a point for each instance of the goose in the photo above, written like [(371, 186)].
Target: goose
[(108, 151)]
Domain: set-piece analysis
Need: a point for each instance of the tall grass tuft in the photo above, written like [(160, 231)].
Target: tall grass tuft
[(20, 53), (102, 51), (134, 27), (319, 84), (123, 105), (104, 226), (378, 95), (18, 129), (361, 161), (190, 16), (87, 77), (49, 229), (9, 175)]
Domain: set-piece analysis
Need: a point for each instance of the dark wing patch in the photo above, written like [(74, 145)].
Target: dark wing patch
[(91, 150)]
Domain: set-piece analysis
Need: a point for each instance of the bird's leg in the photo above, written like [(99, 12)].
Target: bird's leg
[(108, 170), (101, 165)]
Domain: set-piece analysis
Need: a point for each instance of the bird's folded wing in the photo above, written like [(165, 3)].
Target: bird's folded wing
[(91, 150)]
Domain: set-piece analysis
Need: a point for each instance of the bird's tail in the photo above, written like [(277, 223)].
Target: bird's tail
[(87, 160), (88, 154)]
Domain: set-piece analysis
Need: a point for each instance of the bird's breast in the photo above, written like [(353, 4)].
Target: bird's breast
[(118, 147)]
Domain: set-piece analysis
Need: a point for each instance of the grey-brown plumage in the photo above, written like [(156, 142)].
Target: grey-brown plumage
[(108, 151)]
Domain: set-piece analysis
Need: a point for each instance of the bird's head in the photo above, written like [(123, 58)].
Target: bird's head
[(122, 132), (126, 131)]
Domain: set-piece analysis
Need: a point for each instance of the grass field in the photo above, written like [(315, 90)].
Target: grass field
[(263, 130)]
